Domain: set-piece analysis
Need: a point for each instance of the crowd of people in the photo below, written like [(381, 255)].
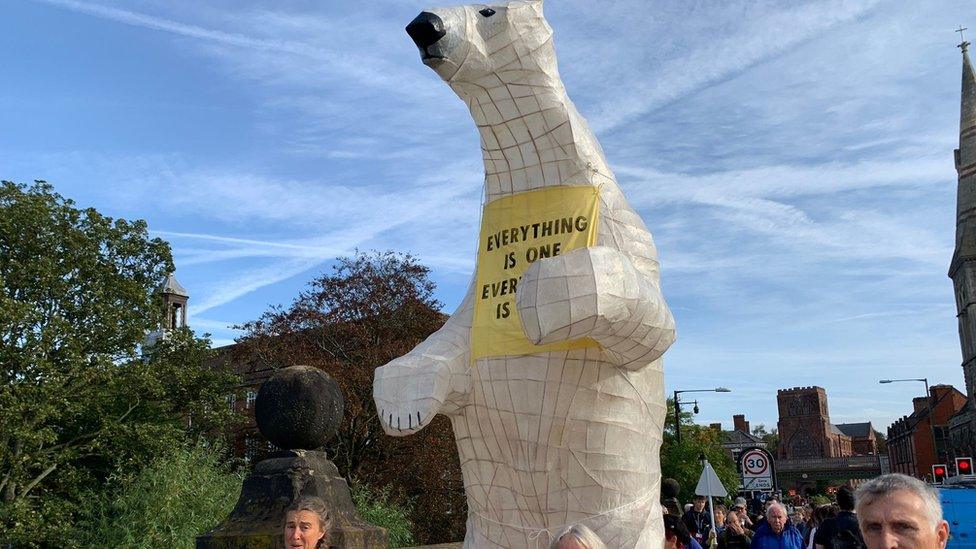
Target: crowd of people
[(889, 512)]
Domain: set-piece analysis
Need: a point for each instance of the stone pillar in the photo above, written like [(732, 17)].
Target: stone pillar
[(299, 409), (257, 520)]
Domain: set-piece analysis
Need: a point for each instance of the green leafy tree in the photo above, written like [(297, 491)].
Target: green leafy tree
[(687, 418), (680, 461), (882, 442), (77, 403), (770, 437), (181, 493)]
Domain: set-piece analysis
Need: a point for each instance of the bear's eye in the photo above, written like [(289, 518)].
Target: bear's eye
[(487, 12)]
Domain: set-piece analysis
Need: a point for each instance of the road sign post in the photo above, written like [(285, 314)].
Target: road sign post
[(757, 469), (710, 485)]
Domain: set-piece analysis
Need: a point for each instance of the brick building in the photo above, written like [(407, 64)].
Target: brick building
[(245, 441), (910, 445), (739, 438), (805, 430)]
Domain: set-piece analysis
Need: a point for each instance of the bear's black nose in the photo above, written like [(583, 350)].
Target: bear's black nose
[(426, 29)]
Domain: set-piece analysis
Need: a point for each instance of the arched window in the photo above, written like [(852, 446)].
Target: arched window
[(802, 445)]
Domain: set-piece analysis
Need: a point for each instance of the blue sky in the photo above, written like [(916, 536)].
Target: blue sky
[(793, 160)]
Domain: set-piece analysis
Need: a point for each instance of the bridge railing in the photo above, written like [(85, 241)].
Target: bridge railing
[(852, 463)]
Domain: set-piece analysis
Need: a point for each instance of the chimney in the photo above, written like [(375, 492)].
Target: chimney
[(716, 426), (740, 424), (919, 405)]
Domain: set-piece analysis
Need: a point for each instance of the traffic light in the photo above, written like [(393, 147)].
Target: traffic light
[(964, 466), (939, 472)]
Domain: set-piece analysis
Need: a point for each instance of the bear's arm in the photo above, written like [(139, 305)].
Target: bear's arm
[(432, 378), (596, 292)]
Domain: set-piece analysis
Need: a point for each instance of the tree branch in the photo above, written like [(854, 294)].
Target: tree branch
[(38, 479), (93, 434)]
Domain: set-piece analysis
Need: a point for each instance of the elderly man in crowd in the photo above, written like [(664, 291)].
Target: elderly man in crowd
[(898, 511), (776, 532)]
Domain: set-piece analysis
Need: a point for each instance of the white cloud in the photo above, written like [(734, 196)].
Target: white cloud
[(763, 32), (201, 324), (362, 69), (243, 282), (649, 187)]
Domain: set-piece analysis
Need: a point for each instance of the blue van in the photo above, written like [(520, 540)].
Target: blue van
[(959, 509)]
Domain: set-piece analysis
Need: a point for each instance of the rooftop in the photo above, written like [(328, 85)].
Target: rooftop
[(172, 286)]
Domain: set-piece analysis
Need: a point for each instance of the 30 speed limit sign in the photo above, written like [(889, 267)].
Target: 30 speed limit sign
[(755, 463), (756, 466)]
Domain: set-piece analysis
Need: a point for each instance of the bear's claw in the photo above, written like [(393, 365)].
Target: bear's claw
[(407, 389)]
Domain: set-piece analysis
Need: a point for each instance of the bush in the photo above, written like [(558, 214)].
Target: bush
[(379, 507), (820, 499), (168, 503), (26, 524)]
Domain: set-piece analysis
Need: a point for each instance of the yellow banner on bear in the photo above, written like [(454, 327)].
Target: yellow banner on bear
[(515, 232)]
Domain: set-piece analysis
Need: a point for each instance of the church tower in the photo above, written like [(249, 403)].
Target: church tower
[(962, 269), (175, 298)]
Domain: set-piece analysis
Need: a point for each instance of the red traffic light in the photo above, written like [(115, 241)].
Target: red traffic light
[(939, 472), (964, 466)]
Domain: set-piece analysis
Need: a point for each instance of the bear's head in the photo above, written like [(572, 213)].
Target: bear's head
[(469, 44)]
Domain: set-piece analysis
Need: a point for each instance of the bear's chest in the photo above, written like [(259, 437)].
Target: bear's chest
[(565, 398)]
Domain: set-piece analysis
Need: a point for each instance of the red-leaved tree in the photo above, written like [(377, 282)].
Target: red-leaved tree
[(372, 308)]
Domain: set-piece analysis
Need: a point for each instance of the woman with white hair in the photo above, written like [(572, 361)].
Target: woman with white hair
[(307, 524), (577, 536)]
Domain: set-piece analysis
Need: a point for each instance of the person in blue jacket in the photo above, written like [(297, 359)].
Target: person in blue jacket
[(776, 532)]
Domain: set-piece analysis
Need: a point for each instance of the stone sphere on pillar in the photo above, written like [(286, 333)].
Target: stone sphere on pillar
[(299, 408)]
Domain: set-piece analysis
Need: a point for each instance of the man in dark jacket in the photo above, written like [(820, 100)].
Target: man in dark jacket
[(697, 520), (777, 532), (842, 531)]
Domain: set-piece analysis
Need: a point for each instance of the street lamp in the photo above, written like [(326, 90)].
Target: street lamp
[(928, 402), (677, 407)]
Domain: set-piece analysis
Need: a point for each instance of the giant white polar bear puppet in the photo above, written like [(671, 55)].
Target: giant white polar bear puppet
[(562, 433)]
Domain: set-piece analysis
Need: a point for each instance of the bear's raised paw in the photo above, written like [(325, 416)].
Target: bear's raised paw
[(408, 392)]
